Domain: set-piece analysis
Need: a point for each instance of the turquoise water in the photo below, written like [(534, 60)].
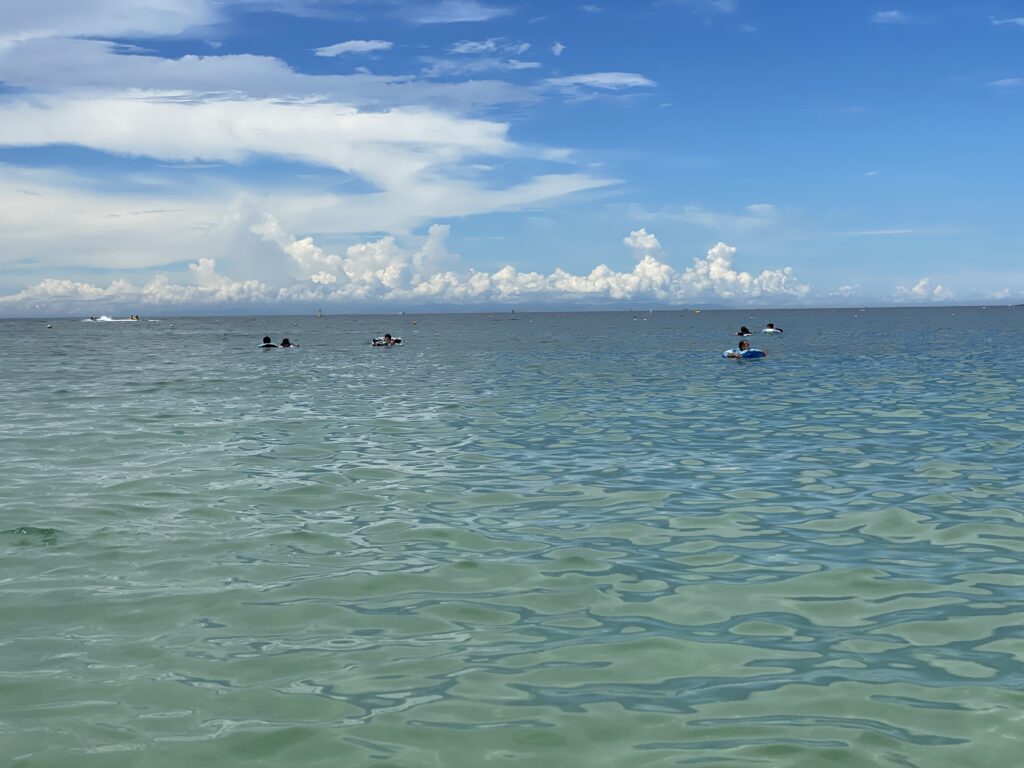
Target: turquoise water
[(540, 539)]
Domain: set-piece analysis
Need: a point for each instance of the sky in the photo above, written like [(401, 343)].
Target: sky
[(354, 155)]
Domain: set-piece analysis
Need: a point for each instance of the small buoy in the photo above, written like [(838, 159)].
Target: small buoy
[(49, 326), (414, 322), (696, 311)]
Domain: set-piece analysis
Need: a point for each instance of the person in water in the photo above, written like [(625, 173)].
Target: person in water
[(743, 331), (286, 343), (267, 343), (771, 327), (387, 341), (737, 354)]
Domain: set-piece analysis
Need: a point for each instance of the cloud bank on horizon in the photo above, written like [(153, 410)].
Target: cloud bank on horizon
[(203, 153)]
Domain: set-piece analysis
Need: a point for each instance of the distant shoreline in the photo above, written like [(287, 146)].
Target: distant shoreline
[(499, 310)]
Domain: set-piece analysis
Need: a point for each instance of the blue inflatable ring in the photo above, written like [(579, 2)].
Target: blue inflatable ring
[(746, 354)]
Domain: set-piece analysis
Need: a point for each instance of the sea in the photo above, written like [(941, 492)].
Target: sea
[(517, 539)]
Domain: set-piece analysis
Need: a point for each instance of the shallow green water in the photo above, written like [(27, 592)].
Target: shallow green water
[(551, 540)]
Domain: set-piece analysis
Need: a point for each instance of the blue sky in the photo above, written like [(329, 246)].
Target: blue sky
[(160, 155)]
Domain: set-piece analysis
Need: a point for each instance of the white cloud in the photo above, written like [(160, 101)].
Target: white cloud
[(1008, 82), (382, 270), (890, 17), (354, 46), (756, 215), (456, 11), (713, 6), (449, 68), (92, 67), (642, 243), (27, 19), (557, 49), (60, 223), (924, 290), (846, 291), (752, 217), (207, 289), (607, 81), (492, 45), (1017, 21), (469, 47), (386, 148)]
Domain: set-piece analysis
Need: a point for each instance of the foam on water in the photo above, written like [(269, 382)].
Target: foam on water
[(576, 540)]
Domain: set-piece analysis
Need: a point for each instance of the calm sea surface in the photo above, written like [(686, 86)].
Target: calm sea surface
[(531, 539)]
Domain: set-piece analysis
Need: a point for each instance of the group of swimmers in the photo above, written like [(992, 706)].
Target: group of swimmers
[(768, 328), (268, 344), (744, 350), (387, 340)]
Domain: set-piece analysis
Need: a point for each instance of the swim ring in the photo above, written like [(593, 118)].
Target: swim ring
[(746, 354)]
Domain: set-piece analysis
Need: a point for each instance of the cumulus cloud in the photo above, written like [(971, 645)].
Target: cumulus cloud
[(557, 49), (382, 270), (923, 290), (354, 46), (890, 17), (208, 288)]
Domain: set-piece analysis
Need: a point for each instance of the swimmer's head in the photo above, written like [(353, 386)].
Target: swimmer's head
[(744, 345), (266, 339)]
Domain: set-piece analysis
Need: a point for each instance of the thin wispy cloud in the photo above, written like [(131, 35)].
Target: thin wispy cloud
[(1017, 21), (450, 68), (755, 216), (492, 45), (470, 47), (354, 46), (890, 17), (706, 6), (605, 81), (1007, 82), (458, 11)]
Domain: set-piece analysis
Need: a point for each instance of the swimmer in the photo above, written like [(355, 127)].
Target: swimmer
[(387, 341), (737, 354), (744, 331), (267, 343), (770, 328), (288, 344)]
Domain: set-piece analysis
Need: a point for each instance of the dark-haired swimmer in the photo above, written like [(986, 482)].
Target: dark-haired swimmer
[(286, 343), (744, 331), (737, 354), (267, 343), (387, 341)]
